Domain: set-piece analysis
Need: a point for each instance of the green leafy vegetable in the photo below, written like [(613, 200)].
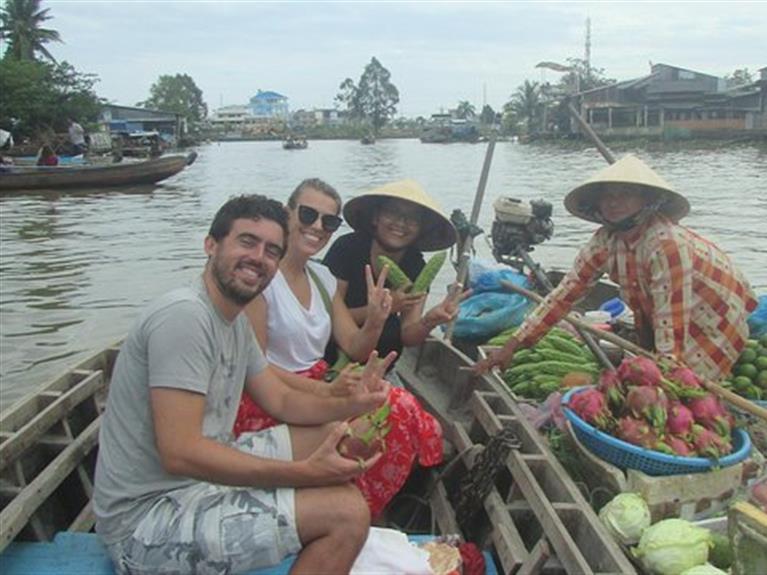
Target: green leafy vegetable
[(626, 516)]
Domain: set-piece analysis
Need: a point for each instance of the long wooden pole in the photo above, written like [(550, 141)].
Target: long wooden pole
[(608, 155), (726, 394), (463, 251)]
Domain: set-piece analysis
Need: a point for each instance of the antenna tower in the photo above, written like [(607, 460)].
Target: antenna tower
[(588, 48)]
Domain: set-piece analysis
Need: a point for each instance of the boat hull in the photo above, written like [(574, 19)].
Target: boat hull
[(80, 177)]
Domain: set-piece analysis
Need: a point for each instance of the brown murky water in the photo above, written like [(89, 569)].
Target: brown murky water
[(76, 268)]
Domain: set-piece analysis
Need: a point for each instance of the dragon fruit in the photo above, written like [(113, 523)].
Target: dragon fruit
[(708, 443), (591, 406), (610, 384), (678, 446), (637, 432), (685, 377), (679, 419), (366, 434), (650, 403), (639, 371), (709, 412)]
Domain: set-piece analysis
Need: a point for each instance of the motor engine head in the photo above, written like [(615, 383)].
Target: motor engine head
[(520, 226)]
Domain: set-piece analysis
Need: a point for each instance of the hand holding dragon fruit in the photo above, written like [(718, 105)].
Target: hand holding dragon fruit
[(366, 435)]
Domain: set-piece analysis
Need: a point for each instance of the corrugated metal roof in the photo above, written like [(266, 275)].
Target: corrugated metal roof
[(268, 95)]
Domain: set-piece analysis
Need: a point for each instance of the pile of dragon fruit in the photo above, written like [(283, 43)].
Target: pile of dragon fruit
[(665, 410)]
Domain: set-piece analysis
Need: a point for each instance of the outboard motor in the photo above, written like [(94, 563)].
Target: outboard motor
[(518, 226)]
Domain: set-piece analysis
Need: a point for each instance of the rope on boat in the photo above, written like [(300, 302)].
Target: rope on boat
[(480, 479)]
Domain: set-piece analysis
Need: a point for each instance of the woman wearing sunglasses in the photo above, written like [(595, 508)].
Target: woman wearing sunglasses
[(401, 221), (301, 311)]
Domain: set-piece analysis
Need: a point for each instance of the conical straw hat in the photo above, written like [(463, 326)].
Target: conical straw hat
[(628, 170), (437, 232)]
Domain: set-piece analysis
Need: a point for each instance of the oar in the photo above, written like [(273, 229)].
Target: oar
[(608, 155), (463, 256), (726, 394)]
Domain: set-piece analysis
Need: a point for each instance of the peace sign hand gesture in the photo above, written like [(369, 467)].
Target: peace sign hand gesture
[(379, 297), (447, 309), (375, 369)]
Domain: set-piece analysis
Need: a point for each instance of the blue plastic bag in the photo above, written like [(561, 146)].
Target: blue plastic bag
[(485, 314), (491, 280), (757, 321)]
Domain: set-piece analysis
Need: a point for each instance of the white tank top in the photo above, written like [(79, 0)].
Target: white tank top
[(297, 336)]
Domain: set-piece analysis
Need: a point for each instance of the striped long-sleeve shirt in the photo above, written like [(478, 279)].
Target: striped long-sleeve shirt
[(696, 300)]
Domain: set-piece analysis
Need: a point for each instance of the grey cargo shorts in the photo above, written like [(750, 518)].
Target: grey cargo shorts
[(216, 529)]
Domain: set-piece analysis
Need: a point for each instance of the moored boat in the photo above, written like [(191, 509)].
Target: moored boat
[(126, 173), (49, 442), (295, 144)]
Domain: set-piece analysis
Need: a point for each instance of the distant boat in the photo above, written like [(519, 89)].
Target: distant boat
[(445, 130), (295, 144), (19, 178), (367, 140)]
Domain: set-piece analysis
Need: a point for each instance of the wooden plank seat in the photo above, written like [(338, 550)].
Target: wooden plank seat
[(84, 554)]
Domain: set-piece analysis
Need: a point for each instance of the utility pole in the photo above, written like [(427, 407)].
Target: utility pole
[(588, 50)]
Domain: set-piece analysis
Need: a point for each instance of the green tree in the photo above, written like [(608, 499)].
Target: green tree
[(40, 96), (509, 119), (348, 98), (373, 99), (525, 104), (487, 116), (178, 94), (739, 77), (582, 77), (465, 110), (21, 24)]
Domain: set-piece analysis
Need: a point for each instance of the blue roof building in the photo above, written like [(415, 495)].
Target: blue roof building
[(268, 104)]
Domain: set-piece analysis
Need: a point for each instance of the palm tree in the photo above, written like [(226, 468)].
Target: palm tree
[(20, 24), (526, 103), (465, 110)]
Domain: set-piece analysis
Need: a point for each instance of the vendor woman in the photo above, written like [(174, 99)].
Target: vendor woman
[(689, 299)]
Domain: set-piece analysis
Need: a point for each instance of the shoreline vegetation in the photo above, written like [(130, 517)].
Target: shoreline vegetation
[(41, 95), (711, 141)]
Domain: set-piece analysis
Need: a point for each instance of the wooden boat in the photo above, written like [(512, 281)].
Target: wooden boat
[(533, 514), (125, 173), (367, 140), (295, 144)]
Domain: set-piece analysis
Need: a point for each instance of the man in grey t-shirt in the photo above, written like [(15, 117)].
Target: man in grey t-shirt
[(173, 492)]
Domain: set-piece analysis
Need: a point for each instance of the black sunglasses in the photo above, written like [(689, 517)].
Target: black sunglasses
[(307, 216)]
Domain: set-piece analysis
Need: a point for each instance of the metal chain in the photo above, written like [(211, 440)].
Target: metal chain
[(477, 482)]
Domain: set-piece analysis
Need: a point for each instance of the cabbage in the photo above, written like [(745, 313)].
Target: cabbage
[(705, 569), (625, 517), (672, 546)]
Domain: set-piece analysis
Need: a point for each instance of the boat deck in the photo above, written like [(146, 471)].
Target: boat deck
[(84, 554)]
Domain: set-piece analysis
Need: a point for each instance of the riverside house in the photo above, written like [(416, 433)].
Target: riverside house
[(673, 102)]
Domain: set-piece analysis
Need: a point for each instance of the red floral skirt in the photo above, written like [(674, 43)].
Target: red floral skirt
[(414, 434)]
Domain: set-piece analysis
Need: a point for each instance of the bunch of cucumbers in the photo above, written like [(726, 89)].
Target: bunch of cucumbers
[(536, 372), (749, 374)]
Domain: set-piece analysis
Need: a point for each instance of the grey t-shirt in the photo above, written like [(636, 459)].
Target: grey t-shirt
[(182, 342)]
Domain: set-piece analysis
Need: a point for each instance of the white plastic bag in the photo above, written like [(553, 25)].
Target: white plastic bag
[(389, 551)]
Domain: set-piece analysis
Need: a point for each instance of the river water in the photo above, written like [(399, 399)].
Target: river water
[(76, 268)]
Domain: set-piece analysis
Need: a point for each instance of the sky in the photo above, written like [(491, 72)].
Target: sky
[(438, 53)]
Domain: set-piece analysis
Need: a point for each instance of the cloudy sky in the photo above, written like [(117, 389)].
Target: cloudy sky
[(438, 53)]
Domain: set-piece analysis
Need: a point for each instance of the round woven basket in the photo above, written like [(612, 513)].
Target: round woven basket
[(627, 456)]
